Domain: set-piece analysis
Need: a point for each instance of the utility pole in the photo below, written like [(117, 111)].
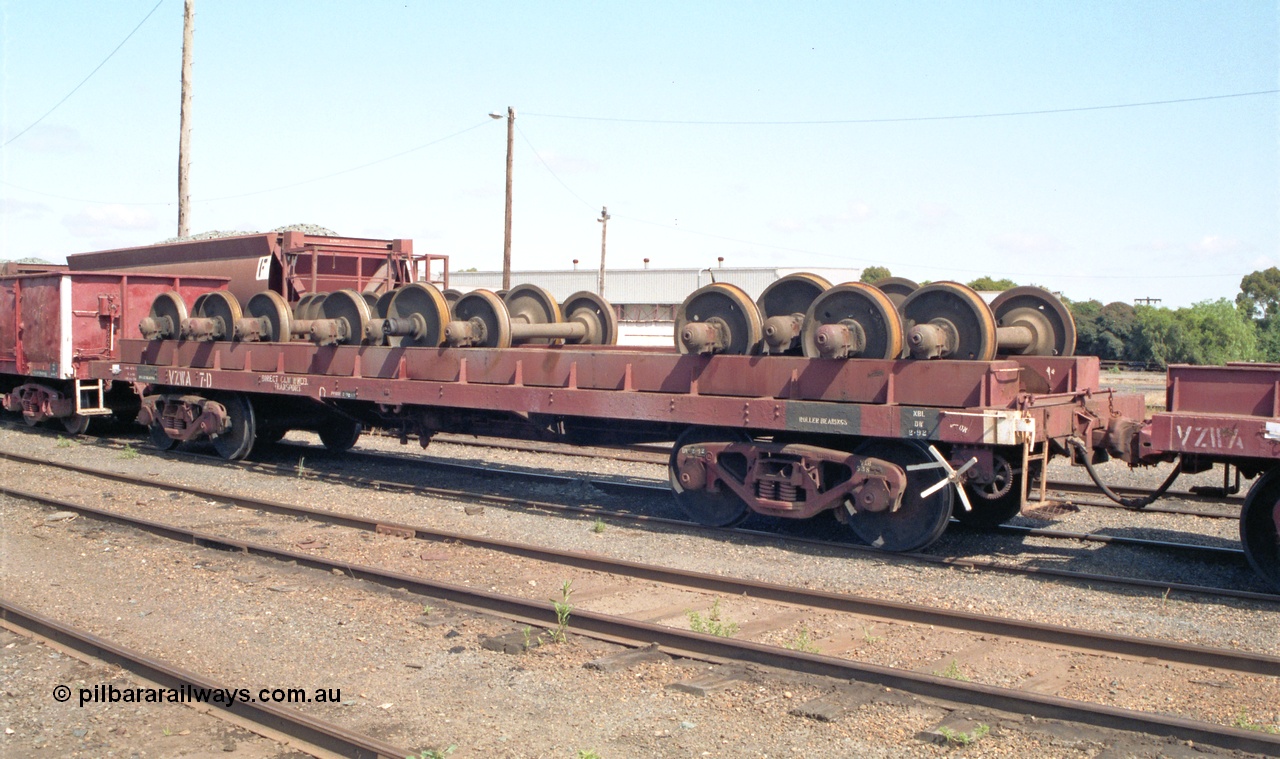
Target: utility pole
[(1146, 301), (184, 136), (604, 232), (506, 236)]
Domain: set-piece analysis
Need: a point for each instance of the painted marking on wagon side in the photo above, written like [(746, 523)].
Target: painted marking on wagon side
[(188, 378), (1208, 438), (148, 374), (839, 419), (919, 423), (285, 383)]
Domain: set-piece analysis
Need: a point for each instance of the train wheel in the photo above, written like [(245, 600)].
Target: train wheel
[(735, 326), (270, 306), (852, 320), (1260, 527), (222, 305), (785, 302), (350, 306), (340, 433), (309, 306), (76, 424), (897, 288), (918, 521), (160, 440), (531, 304), (994, 502), (170, 310), (719, 509), (422, 304), (949, 320), (489, 310), (383, 303), (235, 443), (1047, 317), (596, 313)]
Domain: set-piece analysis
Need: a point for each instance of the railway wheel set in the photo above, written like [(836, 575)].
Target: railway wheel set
[(798, 315), (804, 315), (416, 315)]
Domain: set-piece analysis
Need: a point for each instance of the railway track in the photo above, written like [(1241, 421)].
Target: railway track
[(630, 489), (913, 613), (309, 734), (709, 647)]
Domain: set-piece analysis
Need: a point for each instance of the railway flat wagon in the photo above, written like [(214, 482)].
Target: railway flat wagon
[(895, 407), (893, 447), (54, 323)]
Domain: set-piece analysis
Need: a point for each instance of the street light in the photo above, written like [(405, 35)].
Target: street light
[(506, 232), (604, 230)]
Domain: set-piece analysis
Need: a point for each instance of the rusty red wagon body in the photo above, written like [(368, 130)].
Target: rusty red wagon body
[(289, 263), (54, 323), (1228, 415), (786, 436)]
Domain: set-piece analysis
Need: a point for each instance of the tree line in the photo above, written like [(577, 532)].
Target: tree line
[(1208, 332)]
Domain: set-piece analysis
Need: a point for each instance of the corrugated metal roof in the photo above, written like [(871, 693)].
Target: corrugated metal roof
[(642, 286)]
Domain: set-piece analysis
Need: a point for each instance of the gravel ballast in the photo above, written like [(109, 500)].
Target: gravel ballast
[(249, 620)]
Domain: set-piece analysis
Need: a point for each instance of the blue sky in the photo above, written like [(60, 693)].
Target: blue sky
[(641, 107)]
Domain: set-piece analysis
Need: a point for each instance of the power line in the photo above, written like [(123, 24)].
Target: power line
[(537, 155), (346, 171), (907, 119), (801, 251), (87, 78), (256, 192), (899, 262)]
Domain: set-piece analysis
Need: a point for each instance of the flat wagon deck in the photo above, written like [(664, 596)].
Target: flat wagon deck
[(878, 441)]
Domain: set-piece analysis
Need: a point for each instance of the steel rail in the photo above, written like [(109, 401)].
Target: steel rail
[(526, 504), (1101, 642), (315, 733), (698, 645), (1215, 552)]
